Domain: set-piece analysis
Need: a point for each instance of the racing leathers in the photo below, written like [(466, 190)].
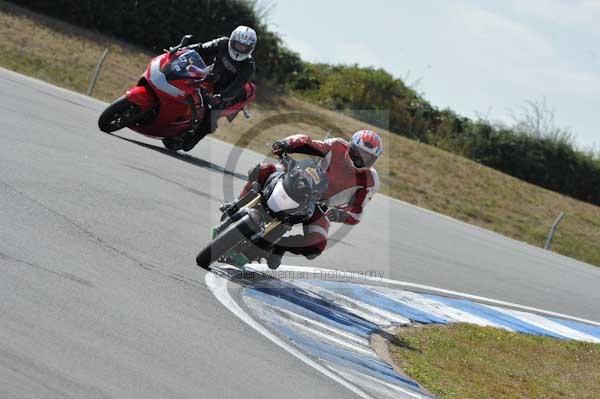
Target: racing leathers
[(348, 192), (229, 77)]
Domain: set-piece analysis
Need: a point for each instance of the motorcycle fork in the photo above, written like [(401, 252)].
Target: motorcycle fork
[(231, 215), (195, 108)]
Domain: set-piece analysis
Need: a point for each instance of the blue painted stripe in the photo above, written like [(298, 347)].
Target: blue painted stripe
[(495, 316), (585, 328), (292, 307), (379, 300), (346, 358), (299, 301)]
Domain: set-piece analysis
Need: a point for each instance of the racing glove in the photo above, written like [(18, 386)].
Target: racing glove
[(215, 99), (281, 146)]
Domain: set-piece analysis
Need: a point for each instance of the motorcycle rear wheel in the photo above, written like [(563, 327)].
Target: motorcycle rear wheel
[(223, 242), (118, 115)]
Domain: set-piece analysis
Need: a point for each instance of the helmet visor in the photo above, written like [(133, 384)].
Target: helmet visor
[(361, 158), (241, 47)]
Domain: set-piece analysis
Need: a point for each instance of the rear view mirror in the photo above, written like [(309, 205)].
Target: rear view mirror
[(185, 40)]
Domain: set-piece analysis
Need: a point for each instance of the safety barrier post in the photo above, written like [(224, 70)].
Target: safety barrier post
[(97, 72), (553, 230)]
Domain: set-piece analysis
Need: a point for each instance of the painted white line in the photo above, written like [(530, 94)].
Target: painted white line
[(218, 286), (267, 312), (435, 308), (320, 326), (368, 312), (542, 322), (381, 387), (320, 336), (316, 270)]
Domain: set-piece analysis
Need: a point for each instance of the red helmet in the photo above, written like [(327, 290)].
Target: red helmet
[(365, 148)]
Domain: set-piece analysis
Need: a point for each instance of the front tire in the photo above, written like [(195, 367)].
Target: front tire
[(118, 115), (225, 241)]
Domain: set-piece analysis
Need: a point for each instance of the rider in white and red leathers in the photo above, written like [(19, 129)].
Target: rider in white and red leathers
[(352, 183)]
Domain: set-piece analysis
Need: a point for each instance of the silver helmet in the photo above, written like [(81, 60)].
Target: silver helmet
[(242, 43)]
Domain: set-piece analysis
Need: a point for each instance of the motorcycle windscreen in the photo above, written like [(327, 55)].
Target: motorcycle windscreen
[(280, 200), (187, 65)]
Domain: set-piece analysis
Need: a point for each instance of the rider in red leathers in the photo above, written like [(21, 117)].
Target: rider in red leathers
[(352, 182)]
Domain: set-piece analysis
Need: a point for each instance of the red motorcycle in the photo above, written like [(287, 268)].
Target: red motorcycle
[(169, 101)]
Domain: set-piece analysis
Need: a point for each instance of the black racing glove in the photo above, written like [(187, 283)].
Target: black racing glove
[(215, 100), (281, 146)]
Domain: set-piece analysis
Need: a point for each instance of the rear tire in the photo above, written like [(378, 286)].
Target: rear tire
[(118, 115), (223, 242)]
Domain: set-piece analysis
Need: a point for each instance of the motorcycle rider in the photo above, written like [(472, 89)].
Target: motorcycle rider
[(232, 67), (352, 183)]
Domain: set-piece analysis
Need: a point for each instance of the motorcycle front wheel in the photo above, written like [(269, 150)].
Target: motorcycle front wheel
[(118, 115), (225, 241)]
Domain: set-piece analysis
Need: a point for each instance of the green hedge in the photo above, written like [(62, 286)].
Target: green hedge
[(548, 163), (157, 24), (553, 165)]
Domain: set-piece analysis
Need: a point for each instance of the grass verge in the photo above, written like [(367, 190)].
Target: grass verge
[(420, 174), (467, 361)]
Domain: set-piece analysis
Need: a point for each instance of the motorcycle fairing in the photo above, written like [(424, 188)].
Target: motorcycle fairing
[(279, 200)]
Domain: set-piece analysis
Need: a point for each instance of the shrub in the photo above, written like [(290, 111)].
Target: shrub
[(157, 24)]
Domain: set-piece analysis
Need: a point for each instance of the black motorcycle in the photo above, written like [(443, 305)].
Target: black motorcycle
[(252, 226)]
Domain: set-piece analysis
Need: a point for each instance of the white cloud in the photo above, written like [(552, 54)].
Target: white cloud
[(507, 59), (562, 13), (518, 52), (306, 51), (495, 35), (354, 52)]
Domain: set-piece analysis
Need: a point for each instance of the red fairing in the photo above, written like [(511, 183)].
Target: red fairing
[(165, 58), (142, 96), (176, 100)]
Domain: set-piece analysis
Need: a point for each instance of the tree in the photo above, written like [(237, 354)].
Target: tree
[(536, 120)]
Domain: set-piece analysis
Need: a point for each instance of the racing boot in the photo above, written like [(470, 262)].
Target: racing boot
[(274, 259), (224, 207), (199, 131), (192, 139)]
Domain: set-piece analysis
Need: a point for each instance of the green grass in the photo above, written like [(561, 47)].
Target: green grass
[(466, 361), (417, 173)]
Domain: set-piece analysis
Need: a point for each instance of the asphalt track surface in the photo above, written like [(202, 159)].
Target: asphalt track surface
[(99, 293)]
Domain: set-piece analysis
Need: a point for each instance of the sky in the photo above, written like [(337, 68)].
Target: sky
[(479, 58)]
